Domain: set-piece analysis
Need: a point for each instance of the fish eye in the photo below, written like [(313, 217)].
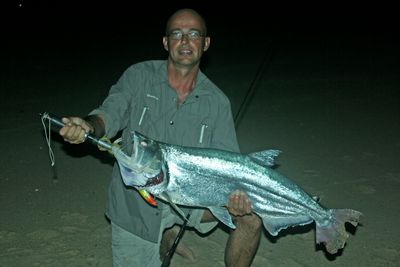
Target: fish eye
[(143, 143)]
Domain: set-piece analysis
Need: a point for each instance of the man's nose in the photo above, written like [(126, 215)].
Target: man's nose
[(185, 37)]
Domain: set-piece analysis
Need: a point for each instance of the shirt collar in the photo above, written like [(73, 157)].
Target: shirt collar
[(200, 88)]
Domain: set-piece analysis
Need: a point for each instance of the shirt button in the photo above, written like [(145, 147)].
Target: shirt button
[(171, 122)]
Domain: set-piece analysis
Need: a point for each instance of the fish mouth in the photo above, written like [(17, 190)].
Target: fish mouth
[(158, 179)]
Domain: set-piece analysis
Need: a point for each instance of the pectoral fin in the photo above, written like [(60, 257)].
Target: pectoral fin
[(223, 215)]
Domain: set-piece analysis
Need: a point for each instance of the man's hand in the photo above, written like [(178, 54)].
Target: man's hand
[(239, 204), (75, 129)]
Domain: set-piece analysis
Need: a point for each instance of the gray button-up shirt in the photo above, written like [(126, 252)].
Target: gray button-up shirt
[(142, 100)]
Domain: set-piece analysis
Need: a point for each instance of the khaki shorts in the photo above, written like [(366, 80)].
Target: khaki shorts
[(131, 250)]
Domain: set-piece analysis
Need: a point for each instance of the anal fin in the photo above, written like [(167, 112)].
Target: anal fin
[(223, 215), (275, 224)]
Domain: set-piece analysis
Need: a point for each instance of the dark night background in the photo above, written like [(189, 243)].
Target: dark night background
[(319, 81)]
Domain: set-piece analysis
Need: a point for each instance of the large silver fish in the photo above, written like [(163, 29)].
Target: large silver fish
[(201, 177)]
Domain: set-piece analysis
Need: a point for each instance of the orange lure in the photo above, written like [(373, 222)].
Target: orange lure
[(149, 199)]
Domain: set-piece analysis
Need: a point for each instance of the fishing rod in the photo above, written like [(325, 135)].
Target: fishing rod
[(56, 123), (242, 109), (252, 88), (168, 256)]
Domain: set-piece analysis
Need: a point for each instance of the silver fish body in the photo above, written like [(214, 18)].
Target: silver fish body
[(201, 177)]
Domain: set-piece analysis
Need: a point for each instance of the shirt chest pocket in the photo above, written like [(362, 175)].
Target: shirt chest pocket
[(146, 115), (195, 131), (149, 108)]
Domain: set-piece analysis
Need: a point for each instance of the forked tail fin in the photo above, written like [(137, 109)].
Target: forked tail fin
[(334, 235)]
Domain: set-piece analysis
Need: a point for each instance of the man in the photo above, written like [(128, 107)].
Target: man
[(174, 102)]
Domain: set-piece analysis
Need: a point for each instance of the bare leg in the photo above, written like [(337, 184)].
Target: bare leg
[(243, 242), (167, 241)]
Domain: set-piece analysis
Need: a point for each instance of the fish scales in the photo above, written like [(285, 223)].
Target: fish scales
[(207, 167)]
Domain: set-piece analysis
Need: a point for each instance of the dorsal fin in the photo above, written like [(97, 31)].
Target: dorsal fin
[(265, 157)]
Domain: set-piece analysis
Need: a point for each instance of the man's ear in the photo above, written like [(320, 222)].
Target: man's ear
[(207, 41), (165, 43)]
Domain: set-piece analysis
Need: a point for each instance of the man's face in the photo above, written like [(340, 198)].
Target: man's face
[(186, 40)]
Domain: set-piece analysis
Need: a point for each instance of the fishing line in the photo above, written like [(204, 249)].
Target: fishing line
[(47, 134), (251, 90)]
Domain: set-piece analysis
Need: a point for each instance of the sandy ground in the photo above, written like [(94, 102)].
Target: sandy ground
[(329, 102)]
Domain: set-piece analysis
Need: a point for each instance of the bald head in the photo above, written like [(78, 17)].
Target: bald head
[(188, 14)]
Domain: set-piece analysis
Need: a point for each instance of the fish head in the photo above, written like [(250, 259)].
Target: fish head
[(144, 167), (146, 151)]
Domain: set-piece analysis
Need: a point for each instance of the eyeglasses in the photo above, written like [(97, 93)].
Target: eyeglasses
[(192, 35)]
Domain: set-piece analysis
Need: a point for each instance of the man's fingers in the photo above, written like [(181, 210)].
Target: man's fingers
[(239, 204), (74, 130), (74, 134), (244, 203), (65, 120), (240, 201)]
